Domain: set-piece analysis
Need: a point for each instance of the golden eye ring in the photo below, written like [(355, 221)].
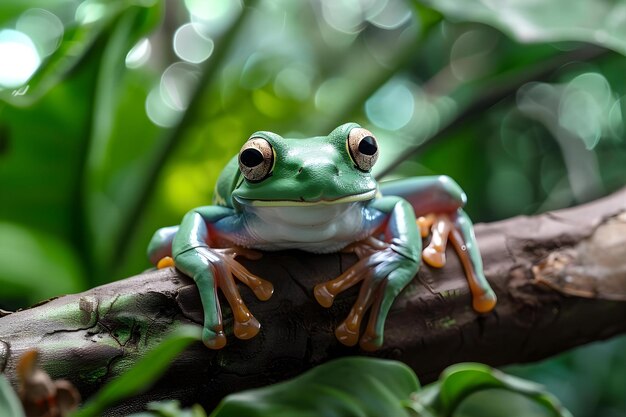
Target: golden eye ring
[(256, 159), (363, 148)]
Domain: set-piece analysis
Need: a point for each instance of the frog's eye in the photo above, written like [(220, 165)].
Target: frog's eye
[(363, 148), (256, 159)]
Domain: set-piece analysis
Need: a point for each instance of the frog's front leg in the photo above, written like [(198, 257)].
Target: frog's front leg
[(213, 268), (437, 202), (385, 268)]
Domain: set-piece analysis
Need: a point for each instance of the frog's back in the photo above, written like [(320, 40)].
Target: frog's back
[(226, 183)]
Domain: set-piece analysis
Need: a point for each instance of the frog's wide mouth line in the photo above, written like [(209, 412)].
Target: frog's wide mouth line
[(368, 195)]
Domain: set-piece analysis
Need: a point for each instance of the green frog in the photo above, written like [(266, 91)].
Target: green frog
[(318, 195)]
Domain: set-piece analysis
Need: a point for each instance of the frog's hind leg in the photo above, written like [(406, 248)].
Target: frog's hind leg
[(464, 242), (437, 202)]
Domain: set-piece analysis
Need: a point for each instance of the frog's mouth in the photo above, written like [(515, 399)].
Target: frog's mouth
[(368, 195)]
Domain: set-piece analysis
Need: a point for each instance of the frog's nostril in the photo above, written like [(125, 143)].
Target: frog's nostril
[(300, 170)]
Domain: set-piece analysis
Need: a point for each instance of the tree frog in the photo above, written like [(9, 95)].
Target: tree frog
[(319, 195)]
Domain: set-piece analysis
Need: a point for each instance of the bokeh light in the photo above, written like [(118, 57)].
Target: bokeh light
[(177, 84), (585, 103), (190, 45), (392, 106), (617, 117), (43, 27), (158, 111), (139, 54), (19, 58), (343, 15), (389, 14), (90, 11), (212, 17)]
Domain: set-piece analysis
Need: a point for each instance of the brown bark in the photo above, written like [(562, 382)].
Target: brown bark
[(560, 278)]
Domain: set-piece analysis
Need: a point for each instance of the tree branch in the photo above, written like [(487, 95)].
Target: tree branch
[(560, 278)]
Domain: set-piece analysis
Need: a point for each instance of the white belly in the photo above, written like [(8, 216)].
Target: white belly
[(319, 229)]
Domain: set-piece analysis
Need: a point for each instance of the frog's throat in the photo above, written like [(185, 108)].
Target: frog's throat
[(302, 203)]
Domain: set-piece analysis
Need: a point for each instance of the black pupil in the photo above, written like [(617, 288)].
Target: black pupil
[(367, 146), (251, 157)]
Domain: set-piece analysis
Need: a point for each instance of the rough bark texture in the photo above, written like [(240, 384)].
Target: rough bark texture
[(560, 278)]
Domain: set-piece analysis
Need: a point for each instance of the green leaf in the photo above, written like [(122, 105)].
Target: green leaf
[(10, 405), (121, 137), (36, 264), (600, 22), (460, 381), (145, 372), (170, 409), (81, 28), (340, 388), (42, 160), (42, 156)]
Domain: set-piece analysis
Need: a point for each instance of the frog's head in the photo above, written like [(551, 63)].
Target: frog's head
[(301, 172)]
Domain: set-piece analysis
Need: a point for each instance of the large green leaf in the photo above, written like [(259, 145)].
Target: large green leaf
[(9, 403), (368, 387), (122, 138), (145, 372), (601, 22), (343, 387), (460, 381)]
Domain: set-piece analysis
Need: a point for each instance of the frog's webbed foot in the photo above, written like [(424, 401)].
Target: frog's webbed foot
[(225, 268), (383, 273), (261, 288), (246, 326), (443, 229)]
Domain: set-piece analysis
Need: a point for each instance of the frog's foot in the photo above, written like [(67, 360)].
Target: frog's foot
[(261, 288), (246, 326), (442, 230), (326, 292), (439, 226), (348, 331), (223, 269), (375, 270)]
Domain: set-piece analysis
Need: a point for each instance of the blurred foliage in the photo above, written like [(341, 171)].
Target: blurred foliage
[(370, 387), (116, 117), (589, 380), (346, 387), (10, 404), (378, 387)]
